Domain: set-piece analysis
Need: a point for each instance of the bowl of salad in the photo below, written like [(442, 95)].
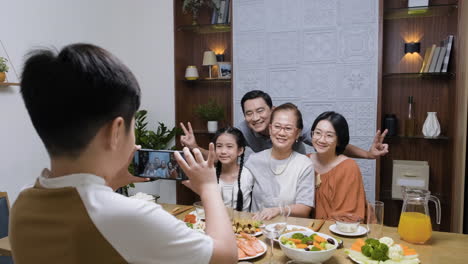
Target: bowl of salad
[(308, 246)]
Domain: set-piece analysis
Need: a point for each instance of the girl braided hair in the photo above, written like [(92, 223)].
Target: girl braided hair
[(241, 143)]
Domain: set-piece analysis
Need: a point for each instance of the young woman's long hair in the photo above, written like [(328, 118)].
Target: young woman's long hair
[(241, 143)]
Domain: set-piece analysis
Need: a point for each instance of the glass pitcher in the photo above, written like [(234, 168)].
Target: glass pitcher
[(415, 223)]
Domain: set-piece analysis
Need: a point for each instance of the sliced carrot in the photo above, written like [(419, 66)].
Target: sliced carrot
[(295, 241), (409, 252), (356, 248), (359, 241), (317, 245), (301, 245), (319, 239)]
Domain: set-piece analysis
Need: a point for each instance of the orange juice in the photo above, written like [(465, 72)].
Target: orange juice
[(415, 227)]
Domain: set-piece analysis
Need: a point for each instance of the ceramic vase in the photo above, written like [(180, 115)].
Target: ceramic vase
[(191, 73), (2, 77), (431, 127), (212, 126)]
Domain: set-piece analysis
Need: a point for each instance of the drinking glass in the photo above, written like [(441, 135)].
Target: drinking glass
[(375, 216), (275, 229)]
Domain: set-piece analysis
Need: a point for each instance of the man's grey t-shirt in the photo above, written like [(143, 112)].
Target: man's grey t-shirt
[(258, 142)]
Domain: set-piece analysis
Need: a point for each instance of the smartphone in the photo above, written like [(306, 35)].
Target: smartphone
[(157, 164)]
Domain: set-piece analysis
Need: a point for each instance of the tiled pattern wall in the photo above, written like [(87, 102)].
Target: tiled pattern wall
[(319, 54)]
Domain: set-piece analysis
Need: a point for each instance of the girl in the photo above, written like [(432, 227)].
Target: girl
[(235, 181)]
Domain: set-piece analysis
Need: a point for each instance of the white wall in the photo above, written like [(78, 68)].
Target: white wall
[(318, 54), (140, 33)]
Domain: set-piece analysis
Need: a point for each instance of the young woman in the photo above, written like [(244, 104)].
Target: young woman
[(339, 189), (234, 180), (281, 172)]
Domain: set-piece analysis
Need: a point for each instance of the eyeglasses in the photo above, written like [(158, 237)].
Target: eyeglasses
[(287, 129), (329, 137)]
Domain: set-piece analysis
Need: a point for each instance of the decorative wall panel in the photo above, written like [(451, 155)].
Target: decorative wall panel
[(318, 54)]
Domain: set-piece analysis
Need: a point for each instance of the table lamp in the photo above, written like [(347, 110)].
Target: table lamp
[(209, 59)]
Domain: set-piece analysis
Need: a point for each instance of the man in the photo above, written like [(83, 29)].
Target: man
[(257, 107), (82, 103)]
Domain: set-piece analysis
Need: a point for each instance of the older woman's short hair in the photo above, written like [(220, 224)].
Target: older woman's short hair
[(341, 128), (289, 107)]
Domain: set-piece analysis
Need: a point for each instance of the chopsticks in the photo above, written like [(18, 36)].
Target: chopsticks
[(179, 210), (317, 224)]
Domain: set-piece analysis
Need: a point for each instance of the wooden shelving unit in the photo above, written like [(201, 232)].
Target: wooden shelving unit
[(6, 84), (190, 42), (432, 92)]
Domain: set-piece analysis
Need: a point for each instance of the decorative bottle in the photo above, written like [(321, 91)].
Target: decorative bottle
[(431, 127), (409, 121)]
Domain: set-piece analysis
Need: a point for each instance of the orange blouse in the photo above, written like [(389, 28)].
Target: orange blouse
[(341, 192)]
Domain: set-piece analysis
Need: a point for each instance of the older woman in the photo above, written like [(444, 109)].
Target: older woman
[(280, 172), (339, 189)]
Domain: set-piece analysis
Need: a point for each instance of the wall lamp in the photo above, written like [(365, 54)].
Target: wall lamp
[(412, 47)]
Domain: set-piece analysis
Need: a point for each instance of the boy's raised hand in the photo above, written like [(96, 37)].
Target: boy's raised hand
[(124, 177), (201, 172)]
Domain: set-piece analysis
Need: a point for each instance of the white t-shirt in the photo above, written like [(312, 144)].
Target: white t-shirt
[(291, 180), (229, 190), (141, 231)]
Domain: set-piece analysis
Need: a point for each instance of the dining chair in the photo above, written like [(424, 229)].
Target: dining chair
[(4, 219)]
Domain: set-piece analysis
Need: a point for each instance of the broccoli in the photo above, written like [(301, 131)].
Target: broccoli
[(367, 250), (306, 239), (372, 242), (189, 225), (312, 236), (379, 254), (383, 247), (297, 236)]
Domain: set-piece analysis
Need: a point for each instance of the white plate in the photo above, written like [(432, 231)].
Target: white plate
[(290, 227), (259, 254), (359, 232), (355, 260)]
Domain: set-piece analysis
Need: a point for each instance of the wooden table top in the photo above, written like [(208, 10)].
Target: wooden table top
[(5, 248), (442, 248)]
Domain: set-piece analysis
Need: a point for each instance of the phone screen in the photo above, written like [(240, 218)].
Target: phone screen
[(157, 164)]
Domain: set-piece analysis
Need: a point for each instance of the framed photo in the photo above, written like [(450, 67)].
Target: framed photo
[(224, 70)]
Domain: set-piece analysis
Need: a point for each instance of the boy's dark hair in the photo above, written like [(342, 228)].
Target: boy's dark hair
[(289, 107), (256, 94), (341, 129), (71, 95), (241, 143)]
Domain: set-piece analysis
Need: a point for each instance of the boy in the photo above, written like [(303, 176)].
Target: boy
[(82, 104)]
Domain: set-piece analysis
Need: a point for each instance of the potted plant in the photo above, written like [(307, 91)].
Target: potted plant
[(149, 139), (3, 69), (193, 6), (211, 112)]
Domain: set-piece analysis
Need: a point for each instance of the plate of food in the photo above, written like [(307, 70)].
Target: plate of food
[(248, 226), (193, 221), (377, 251), (291, 228), (249, 247)]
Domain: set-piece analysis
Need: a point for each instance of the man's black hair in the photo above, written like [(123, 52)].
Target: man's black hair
[(71, 95), (341, 129), (256, 94)]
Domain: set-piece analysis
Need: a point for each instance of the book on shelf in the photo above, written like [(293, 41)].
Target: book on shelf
[(435, 56), (440, 60), (221, 15), (214, 16), (426, 60), (449, 44), (429, 59)]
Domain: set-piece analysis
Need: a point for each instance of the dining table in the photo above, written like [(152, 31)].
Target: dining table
[(443, 247), (5, 248)]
